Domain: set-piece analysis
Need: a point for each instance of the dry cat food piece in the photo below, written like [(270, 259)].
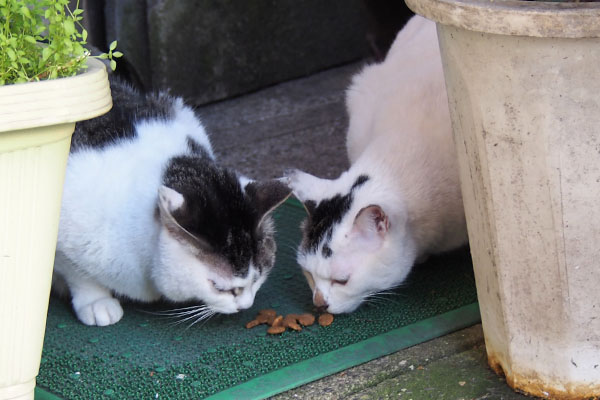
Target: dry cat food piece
[(275, 330), (262, 319), (252, 324), (268, 312), (325, 319), (306, 319), (290, 322), (278, 321), (271, 319)]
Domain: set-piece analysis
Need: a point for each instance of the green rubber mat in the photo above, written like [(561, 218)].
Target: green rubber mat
[(148, 356)]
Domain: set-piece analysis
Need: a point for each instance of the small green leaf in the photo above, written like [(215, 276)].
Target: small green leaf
[(84, 35), (29, 39), (77, 11), (103, 56), (68, 45), (78, 49), (69, 27), (46, 53), (117, 54), (113, 64), (25, 11), (11, 54), (113, 45), (48, 13)]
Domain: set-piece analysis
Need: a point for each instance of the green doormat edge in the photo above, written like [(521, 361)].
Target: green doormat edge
[(338, 360), (41, 394)]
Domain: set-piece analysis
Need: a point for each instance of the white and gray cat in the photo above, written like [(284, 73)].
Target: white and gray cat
[(147, 213), (400, 200)]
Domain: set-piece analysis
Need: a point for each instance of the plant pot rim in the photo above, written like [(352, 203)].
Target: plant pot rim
[(514, 17), (56, 101)]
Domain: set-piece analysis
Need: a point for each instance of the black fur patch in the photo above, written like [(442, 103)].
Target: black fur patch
[(217, 210), (359, 181), (129, 108), (196, 148), (325, 215)]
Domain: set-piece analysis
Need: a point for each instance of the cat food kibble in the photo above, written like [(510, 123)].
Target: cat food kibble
[(252, 324), (275, 330), (262, 319), (325, 319), (290, 322), (306, 319), (279, 323), (268, 313)]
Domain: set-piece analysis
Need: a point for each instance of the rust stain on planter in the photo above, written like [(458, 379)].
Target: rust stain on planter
[(532, 384)]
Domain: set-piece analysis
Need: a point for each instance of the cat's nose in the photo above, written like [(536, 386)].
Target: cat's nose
[(319, 300)]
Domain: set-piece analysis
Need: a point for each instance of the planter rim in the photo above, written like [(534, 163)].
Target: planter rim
[(56, 101), (514, 17)]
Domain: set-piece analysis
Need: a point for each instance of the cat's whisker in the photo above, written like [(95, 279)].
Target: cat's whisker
[(187, 308), (382, 297), (178, 311), (187, 315), (203, 317), (289, 246), (191, 311), (194, 315)]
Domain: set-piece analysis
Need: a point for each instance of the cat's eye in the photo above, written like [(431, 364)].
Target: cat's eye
[(234, 291), (341, 282)]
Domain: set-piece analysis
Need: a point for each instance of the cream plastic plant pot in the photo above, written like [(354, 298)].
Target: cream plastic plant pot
[(36, 124), (523, 83)]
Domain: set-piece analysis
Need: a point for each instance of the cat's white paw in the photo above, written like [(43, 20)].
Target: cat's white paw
[(102, 312), (299, 182)]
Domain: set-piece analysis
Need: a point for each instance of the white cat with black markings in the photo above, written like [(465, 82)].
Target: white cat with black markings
[(147, 213), (400, 200)]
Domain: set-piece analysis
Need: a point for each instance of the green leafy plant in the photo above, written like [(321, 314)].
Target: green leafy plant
[(43, 39)]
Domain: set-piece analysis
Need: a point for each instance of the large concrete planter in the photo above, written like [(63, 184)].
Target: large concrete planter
[(524, 93), (36, 124)]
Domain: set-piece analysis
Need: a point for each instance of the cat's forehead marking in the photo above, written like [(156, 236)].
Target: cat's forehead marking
[(326, 214)]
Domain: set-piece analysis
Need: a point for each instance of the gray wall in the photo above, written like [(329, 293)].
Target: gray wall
[(207, 50)]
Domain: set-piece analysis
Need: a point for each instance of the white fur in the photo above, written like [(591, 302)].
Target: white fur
[(400, 136), (109, 241)]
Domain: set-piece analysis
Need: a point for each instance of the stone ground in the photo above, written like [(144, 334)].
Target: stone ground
[(301, 124)]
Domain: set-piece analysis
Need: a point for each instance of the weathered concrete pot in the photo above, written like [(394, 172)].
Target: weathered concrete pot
[(523, 84), (36, 123)]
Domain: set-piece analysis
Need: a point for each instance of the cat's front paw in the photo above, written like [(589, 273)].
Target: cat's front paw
[(101, 312), (299, 182)]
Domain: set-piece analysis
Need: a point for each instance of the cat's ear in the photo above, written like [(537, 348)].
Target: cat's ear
[(169, 200), (371, 225), (266, 196)]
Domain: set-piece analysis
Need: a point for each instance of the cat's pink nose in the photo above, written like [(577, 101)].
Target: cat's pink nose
[(319, 300)]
